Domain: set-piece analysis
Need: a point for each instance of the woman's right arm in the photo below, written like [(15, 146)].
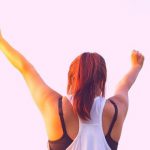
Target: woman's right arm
[(124, 85)]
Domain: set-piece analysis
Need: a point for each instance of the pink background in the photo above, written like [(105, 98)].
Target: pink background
[(50, 34)]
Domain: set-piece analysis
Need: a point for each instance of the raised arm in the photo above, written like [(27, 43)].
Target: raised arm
[(123, 87), (38, 88)]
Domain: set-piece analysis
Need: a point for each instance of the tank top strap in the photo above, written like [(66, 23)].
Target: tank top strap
[(61, 115), (114, 117)]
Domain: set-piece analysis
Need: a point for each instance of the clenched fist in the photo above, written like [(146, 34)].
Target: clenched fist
[(137, 59)]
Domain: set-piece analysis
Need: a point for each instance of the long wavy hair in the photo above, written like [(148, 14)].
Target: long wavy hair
[(86, 79)]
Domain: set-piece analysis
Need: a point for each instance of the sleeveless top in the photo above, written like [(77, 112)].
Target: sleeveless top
[(90, 135)]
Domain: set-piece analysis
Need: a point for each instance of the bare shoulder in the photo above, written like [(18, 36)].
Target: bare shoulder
[(51, 105), (51, 101), (122, 106)]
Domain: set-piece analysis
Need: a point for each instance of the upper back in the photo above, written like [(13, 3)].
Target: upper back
[(90, 134), (100, 121)]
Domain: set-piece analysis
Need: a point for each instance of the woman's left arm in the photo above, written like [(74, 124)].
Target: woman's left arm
[(40, 91)]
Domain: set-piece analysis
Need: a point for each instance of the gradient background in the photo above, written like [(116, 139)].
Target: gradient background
[(50, 34)]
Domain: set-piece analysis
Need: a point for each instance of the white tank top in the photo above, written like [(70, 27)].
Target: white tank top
[(91, 135)]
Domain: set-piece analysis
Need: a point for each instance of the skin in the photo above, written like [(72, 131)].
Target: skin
[(46, 98)]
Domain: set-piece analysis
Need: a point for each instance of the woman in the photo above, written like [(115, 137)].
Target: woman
[(82, 120)]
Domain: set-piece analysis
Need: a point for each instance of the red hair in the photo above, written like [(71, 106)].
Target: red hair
[(87, 75)]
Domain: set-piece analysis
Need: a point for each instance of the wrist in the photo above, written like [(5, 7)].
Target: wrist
[(136, 68)]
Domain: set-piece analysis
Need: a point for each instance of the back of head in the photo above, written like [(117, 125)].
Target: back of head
[(86, 79)]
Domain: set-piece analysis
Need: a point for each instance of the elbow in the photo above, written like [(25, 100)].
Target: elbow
[(24, 67), (20, 63)]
